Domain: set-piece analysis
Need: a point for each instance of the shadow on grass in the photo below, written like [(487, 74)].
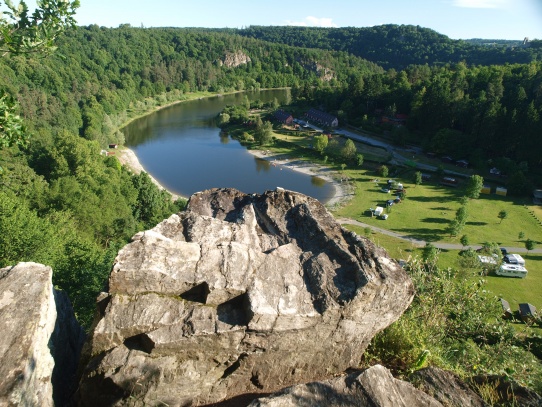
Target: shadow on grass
[(436, 220), (441, 199), (476, 223), (429, 235), (441, 208)]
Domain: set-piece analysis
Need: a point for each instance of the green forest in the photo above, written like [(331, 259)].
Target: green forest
[(64, 204), (66, 91)]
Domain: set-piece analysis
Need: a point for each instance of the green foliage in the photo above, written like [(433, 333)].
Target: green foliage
[(349, 150), (418, 178), (153, 204), (430, 256), (320, 143), (383, 171), (464, 240), (264, 133), (474, 186), (359, 159), (453, 323), (502, 215), (12, 130), (23, 31), (529, 245)]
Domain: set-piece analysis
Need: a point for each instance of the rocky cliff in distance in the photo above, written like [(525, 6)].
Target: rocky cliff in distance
[(238, 294), (41, 340)]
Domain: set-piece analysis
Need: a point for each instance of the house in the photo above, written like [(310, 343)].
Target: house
[(537, 196), (113, 145), (283, 117), (398, 120), (322, 118), (486, 189), (527, 313)]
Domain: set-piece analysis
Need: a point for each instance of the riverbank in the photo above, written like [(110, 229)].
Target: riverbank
[(343, 191), (128, 158)]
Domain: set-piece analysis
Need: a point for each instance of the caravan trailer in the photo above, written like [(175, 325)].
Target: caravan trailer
[(511, 270), (514, 259)]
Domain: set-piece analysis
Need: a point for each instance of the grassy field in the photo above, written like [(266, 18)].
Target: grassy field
[(429, 208), (426, 213), (513, 290)]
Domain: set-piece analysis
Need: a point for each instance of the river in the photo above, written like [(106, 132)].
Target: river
[(182, 148)]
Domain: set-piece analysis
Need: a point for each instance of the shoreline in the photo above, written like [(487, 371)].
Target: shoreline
[(342, 192), (128, 158)]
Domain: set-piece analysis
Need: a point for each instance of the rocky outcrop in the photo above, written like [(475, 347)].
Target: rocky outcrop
[(40, 341), (234, 59), (374, 387), (238, 294), (446, 387), (324, 73)]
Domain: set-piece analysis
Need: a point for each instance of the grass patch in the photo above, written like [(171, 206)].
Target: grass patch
[(429, 208), (514, 290)]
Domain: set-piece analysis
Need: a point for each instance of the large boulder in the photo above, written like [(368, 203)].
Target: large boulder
[(374, 387), (238, 294), (41, 340)]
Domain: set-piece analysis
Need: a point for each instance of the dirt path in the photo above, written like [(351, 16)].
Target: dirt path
[(422, 243)]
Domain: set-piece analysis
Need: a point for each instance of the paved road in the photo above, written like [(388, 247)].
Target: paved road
[(421, 243)]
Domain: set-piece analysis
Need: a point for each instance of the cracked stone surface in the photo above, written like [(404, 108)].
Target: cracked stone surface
[(238, 294), (40, 341)]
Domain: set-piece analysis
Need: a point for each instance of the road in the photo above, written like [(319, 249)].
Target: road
[(421, 243)]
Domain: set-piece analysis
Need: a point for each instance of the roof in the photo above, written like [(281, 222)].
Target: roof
[(527, 309), (282, 115), (321, 116)]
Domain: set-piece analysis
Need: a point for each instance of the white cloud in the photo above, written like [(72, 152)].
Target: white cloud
[(480, 3), (311, 21)]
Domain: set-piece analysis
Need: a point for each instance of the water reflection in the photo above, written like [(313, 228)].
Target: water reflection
[(262, 165), (317, 181), (179, 147)]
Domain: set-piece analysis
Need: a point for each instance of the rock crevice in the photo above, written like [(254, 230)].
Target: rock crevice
[(238, 294)]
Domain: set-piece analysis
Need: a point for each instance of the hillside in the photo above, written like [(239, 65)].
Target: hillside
[(397, 46)]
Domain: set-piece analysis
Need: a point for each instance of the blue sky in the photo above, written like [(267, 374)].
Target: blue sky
[(458, 19)]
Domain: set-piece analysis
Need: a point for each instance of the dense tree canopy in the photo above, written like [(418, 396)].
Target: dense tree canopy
[(73, 207)]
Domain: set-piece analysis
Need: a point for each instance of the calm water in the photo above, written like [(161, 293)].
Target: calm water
[(182, 148)]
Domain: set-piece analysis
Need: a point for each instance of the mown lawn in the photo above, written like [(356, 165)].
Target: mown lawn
[(429, 208), (513, 290)]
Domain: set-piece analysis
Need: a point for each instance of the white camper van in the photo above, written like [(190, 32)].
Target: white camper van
[(511, 270)]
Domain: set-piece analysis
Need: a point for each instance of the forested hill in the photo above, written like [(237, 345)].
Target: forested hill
[(64, 204), (397, 46)]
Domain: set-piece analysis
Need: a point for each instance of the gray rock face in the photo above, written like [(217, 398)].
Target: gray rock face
[(447, 388), (239, 294), (234, 59), (374, 387), (40, 341)]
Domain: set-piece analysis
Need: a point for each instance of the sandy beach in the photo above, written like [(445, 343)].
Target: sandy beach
[(343, 190)]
